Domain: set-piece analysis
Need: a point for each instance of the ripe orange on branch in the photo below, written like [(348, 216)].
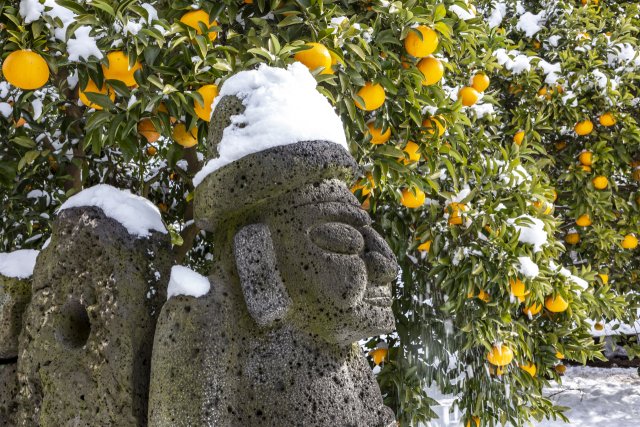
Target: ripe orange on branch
[(480, 82), (556, 305), (25, 69), (500, 356), (431, 124), (208, 92), (118, 68), (183, 137), (412, 150), (147, 129), (411, 201), (373, 96), (317, 56), (586, 158), (421, 48), (584, 221), (432, 69), (92, 87), (600, 182), (584, 127), (469, 96), (607, 119), (518, 137), (377, 137), (192, 18), (630, 242)]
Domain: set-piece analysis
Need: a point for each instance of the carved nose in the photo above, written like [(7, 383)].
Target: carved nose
[(382, 266)]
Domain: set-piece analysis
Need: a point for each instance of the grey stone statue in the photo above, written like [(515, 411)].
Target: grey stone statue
[(84, 354), (299, 276)]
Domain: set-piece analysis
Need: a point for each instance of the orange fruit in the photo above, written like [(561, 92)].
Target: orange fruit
[(147, 129), (421, 48), (151, 151), (163, 108), (559, 89), (432, 69), (556, 305), (378, 355), (162, 206), (586, 158), (598, 326), (584, 127), (431, 124), (629, 242), (92, 87), (476, 419), (584, 221), (600, 182), (560, 145), (518, 137), (483, 296), (604, 277), (208, 92), (514, 89), (584, 168), (192, 18), (457, 210), (377, 137), (555, 195), (561, 369), (317, 56), (518, 289), (25, 69), (119, 68), (573, 238), (536, 45), (469, 96), (534, 309), (607, 119), (373, 96), (542, 91), (412, 150), (546, 205), (530, 368), (480, 82), (559, 355), (411, 201), (425, 246), (500, 356), (585, 2), (184, 138), (362, 184)]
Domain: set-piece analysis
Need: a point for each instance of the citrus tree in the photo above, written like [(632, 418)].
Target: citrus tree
[(120, 93)]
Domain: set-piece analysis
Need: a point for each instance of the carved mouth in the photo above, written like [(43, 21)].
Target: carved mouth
[(379, 296)]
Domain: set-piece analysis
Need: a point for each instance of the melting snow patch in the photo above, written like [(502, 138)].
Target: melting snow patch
[(530, 23), (30, 10), (185, 281), (527, 267), (533, 234), (282, 107), (518, 64), (18, 264), (462, 14), (83, 45), (137, 214), (497, 15)]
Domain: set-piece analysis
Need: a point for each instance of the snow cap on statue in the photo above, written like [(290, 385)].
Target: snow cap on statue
[(271, 132)]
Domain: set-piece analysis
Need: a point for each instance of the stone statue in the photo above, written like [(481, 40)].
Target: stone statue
[(84, 353), (299, 276)]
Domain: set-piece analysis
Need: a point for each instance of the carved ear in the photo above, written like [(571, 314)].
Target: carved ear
[(264, 292)]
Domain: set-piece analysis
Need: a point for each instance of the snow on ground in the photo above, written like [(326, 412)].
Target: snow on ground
[(185, 281), (137, 214), (599, 397), (18, 264), (282, 107)]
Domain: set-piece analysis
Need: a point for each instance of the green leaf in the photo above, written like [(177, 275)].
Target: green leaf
[(72, 5), (101, 100), (24, 141), (290, 20)]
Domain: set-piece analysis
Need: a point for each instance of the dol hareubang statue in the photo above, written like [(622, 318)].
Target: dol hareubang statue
[(299, 276)]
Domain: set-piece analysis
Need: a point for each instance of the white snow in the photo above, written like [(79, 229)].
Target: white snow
[(151, 10), (6, 109), (30, 10), (530, 23), (185, 281), (598, 397), (66, 16), (553, 40), (462, 14), (527, 267), (608, 328), (83, 45), (282, 107), (497, 15), (517, 64), (531, 233), (551, 70), (137, 214), (18, 264)]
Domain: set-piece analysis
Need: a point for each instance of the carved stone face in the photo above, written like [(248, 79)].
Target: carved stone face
[(335, 267)]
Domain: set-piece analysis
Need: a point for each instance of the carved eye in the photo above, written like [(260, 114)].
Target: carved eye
[(337, 237)]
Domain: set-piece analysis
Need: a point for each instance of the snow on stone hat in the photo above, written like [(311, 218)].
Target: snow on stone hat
[(271, 132)]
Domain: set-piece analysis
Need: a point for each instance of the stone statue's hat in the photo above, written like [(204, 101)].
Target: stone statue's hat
[(229, 185)]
